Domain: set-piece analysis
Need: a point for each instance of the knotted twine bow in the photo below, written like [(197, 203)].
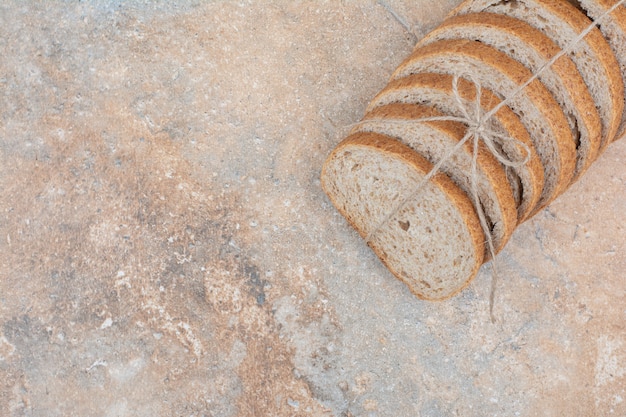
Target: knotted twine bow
[(476, 120)]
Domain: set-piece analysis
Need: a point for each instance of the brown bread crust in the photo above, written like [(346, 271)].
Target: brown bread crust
[(564, 69), (534, 170), (541, 98), (487, 163), (596, 43), (617, 41)]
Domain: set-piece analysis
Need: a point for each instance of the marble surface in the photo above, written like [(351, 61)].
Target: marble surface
[(167, 249)]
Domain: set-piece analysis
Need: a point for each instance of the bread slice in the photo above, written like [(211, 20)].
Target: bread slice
[(613, 27), (435, 90), (562, 22), (535, 106), (434, 141), (431, 238), (533, 49)]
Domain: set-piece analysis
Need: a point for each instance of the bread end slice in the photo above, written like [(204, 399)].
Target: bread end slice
[(433, 242)]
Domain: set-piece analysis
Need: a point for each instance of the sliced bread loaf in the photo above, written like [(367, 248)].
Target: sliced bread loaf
[(434, 141), (613, 27), (430, 238), (436, 90), (535, 106), (533, 49), (562, 22)]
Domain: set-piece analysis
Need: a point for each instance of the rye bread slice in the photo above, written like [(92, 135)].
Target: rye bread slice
[(562, 22), (535, 106), (613, 27), (533, 49), (436, 90), (433, 141), (434, 242)]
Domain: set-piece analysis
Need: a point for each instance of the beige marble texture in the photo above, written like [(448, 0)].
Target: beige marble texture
[(166, 249)]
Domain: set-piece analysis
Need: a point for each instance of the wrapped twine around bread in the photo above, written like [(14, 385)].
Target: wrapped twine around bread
[(477, 121)]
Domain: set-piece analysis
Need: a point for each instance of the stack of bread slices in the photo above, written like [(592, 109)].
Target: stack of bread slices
[(426, 228)]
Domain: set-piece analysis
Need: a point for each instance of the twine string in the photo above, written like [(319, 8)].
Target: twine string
[(478, 131), (410, 30)]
